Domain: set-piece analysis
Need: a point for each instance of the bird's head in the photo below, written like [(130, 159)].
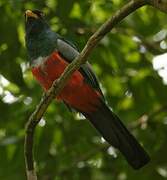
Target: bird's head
[(40, 39), (34, 22)]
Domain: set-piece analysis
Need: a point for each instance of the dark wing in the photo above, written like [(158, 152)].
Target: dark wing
[(69, 52)]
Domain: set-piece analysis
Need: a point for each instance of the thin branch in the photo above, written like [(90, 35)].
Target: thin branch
[(150, 45), (60, 83), (145, 118), (159, 4), (85, 157), (103, 147)]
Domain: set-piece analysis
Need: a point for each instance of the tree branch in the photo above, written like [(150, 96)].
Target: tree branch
[(159, 4), (139, 123), (60, 83), (151, 46), (145, 118)]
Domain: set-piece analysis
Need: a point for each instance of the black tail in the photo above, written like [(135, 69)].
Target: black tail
[(114, 131)]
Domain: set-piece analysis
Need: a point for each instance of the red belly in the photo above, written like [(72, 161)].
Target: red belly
[(77, 93)]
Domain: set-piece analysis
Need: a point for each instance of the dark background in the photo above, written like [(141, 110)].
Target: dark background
[(65, 146)]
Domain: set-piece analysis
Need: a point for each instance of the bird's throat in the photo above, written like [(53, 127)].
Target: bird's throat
[(39, 61)]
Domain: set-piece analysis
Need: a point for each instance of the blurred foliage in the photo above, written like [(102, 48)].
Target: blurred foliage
[(65, 146)]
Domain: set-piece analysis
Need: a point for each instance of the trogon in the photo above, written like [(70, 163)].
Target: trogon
[(49, 55)]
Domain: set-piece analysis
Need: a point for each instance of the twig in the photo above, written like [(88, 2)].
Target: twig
[(159, 4), (134, 125), (60, 83), (83, 158), (151, 46), (145, 118)]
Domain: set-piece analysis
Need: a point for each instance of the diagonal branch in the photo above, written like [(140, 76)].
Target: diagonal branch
[(143, 121), (103, 147), (60, 83), (159, 4)]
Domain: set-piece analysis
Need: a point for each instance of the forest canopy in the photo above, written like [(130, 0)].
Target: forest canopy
[(132, 77)]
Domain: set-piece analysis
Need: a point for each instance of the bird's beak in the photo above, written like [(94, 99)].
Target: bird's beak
[(29, 13)]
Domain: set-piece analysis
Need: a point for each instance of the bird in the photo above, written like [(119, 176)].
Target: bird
[(49, 54)]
